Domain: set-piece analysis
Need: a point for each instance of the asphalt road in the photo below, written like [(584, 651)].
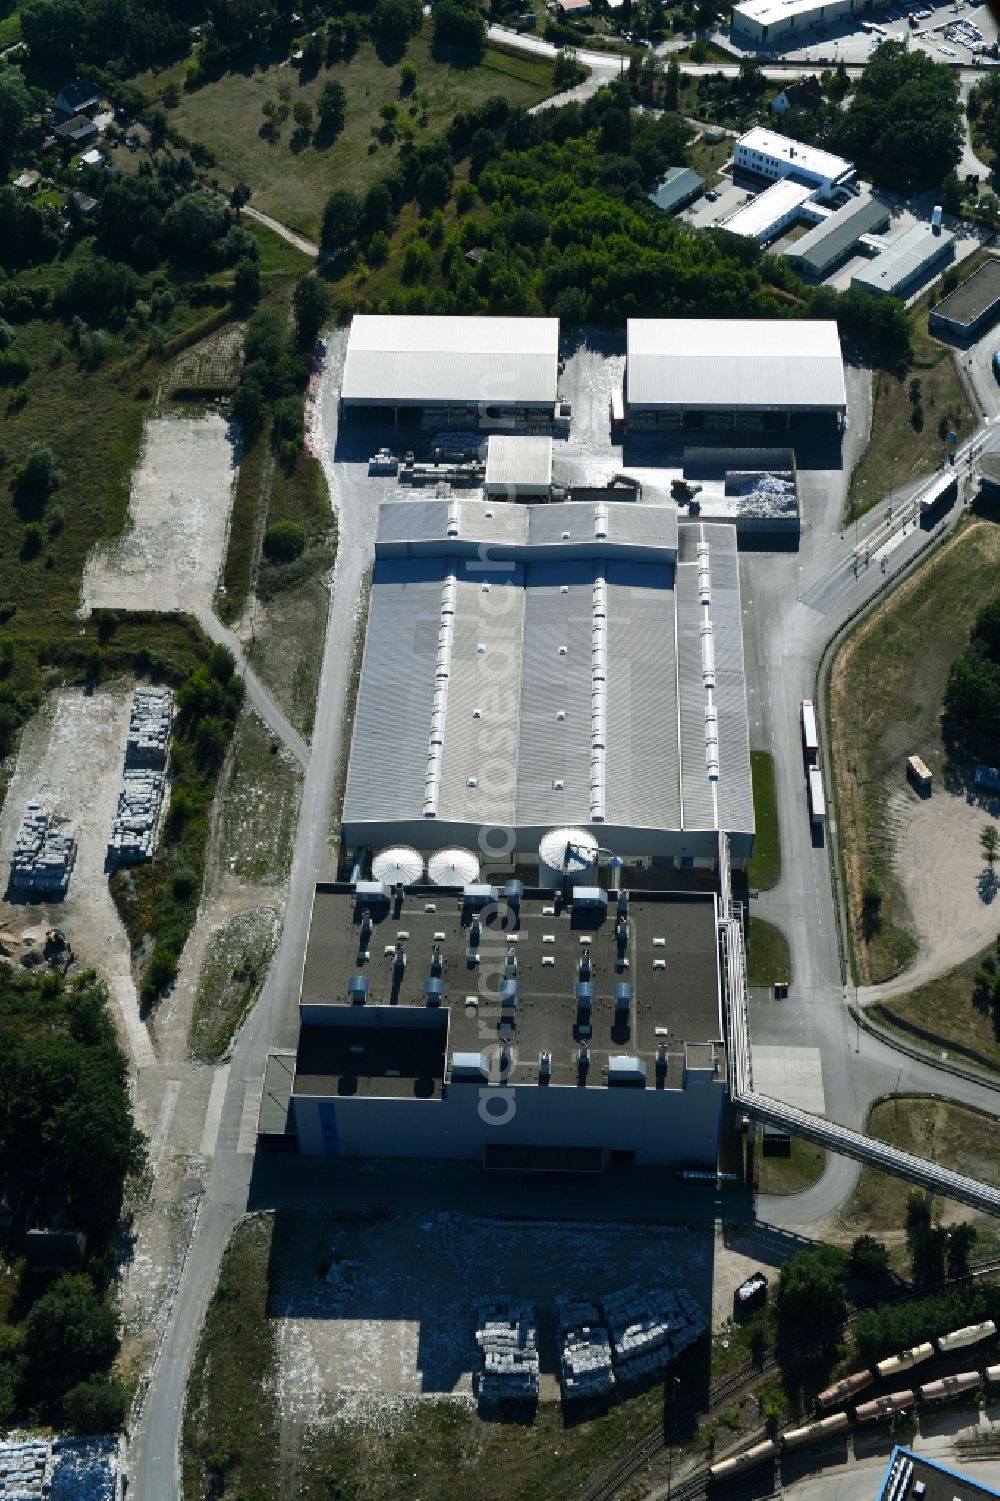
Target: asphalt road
[(154, 1458), (793, 606)]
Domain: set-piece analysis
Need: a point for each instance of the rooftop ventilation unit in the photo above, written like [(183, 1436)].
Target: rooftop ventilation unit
[(357, 989), (434, 991), (712, 743), (707, 654)]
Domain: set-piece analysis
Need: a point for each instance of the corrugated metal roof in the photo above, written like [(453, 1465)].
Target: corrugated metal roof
[(520, 700), (392, 724), (643, 758), (730, 362), (518, 461), (678, 186), (556, 679), (638, 525), (904, 259), (425, 361), (828, 241), (726, 803)]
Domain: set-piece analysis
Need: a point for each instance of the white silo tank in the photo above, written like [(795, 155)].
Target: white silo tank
[(398, 866), (454, 867), (567, 856)]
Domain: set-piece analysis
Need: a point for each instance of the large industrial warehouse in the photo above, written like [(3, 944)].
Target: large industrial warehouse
[(531, 667), (734, 374), (460, 371)]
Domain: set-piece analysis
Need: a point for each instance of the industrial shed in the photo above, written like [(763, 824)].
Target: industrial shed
[(907, 262), (769, 21), (469, 372), (831, 241), (519, 467), (772, 211), (733, 374), (972, 307), (528, 668)]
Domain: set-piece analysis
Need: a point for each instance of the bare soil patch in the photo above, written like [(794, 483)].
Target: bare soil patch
[(182, 492)]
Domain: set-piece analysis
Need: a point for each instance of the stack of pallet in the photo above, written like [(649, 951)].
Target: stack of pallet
[(649, 1329), (149, 727), (43, 860), (585, 1350), (507, 1335)]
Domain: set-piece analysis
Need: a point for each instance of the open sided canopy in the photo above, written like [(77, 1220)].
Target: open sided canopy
[(414, 360), (761, 364)]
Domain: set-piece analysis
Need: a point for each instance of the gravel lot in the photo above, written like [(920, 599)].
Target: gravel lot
[(170, 557), (71, 757), (362, 1329), (955, 906)]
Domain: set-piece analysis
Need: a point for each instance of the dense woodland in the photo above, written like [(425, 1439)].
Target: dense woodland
[(68, 1145)]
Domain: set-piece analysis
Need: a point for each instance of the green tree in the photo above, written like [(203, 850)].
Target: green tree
[(331, 107), (302, 115), (195, 221), (961, 1239), (246, 283), (15, 106), (95, 1406), (311, 305), (989, 841), (248, 407), (70, 1335), (811, 1295), (284, 541), (901, 97), (341, 219), (457, 25), (40, 473), (869, 1259)]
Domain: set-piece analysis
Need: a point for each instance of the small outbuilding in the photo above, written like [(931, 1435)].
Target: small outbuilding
[(972, 307), (518, 468), (78, 131), (681, 186)]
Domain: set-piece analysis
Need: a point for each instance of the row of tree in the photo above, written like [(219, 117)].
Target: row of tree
[(972, 693)]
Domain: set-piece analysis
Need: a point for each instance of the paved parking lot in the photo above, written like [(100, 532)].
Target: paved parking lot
[(849, 44)]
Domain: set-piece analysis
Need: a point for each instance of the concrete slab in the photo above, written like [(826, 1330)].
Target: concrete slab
[(793, 1075)]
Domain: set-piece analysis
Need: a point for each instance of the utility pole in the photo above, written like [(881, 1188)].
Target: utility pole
[(670, 1432)]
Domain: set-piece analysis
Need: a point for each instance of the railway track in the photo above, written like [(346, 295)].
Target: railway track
[(734, 1384)]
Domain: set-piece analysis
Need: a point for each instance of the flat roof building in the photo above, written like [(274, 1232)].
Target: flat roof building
[(518, 467), (909, 1475), (438, 1024), (907, 262), (972, 307), (767, 22), (725, 373), (823, 247), (533, 667), (765, 153), (770, 212), (462, 370)]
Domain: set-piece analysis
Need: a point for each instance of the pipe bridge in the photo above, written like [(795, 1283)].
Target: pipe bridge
[(929, 1176)]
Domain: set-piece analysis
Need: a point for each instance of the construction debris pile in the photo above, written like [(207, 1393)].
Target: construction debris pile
[(137, 819), (762, 493), (650, 1329), (585, 1368), (507, 1335), (43, 859)]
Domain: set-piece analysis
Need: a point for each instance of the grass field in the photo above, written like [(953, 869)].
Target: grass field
[(709, 159), (949, 1134), (232, 973), (898, 454), (947, 1014), (886, 686), (764, 870), (768, 956), (789, 1175), (293, 184)]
